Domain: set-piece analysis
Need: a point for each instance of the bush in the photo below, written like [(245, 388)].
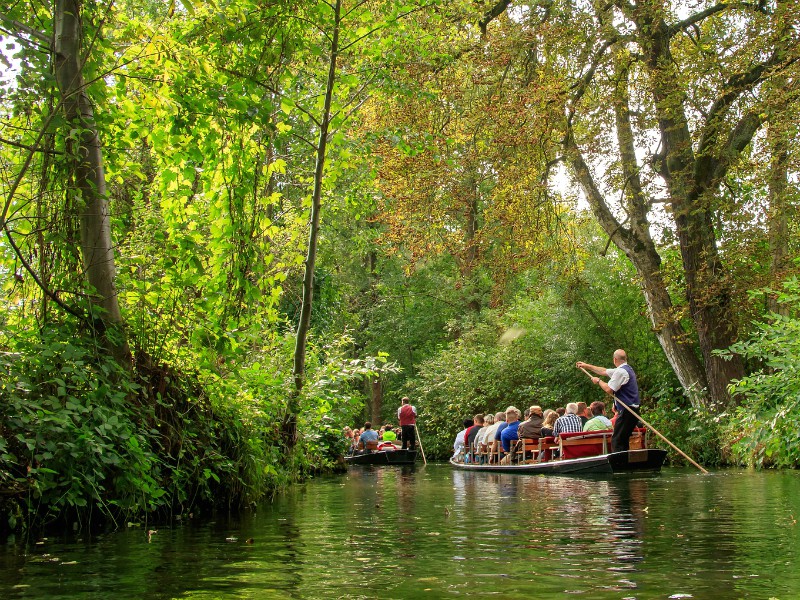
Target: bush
[(763, 429), (69, 435)]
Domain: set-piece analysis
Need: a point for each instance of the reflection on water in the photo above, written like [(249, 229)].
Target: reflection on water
[(400, 532)]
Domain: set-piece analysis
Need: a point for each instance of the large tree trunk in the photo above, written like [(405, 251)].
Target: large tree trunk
[(634, 239), (709, 297), (87, 170), (641, 251), (376, 400), (778, 217), (692, 181)]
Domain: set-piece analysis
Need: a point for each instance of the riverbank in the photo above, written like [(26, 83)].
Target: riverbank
[(83, 441)]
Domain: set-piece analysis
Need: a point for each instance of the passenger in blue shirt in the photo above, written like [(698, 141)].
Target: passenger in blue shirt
[(369, 434), (510, 432)]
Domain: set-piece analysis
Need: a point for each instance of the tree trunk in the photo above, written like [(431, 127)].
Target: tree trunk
[(316, 200), (691, 181), (778, 218), (376, 400), (87, 169), (471, 247), (644, 257), (708, 293), (299, 371)]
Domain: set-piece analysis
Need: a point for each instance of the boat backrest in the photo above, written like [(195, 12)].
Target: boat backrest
[(372, 445), (580, 444)]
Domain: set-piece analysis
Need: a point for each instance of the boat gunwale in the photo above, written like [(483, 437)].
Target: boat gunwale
[(599, 464)]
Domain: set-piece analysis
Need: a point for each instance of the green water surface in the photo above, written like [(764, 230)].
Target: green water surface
[(432, 532)]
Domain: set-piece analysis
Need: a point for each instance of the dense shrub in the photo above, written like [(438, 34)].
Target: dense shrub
[(79, 436), (763, 429)]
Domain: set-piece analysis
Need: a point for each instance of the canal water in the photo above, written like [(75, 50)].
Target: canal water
[(432, 532)]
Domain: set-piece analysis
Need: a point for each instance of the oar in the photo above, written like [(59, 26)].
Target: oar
[(419, 439), (653, 429)]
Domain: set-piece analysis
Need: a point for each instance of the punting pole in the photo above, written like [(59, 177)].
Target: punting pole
[(653, 429), (419, 440)]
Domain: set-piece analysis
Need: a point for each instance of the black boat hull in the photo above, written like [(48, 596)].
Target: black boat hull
[(383, 457), (647, 460)]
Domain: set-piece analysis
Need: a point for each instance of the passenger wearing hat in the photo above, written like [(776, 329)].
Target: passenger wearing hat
[(532, 428)]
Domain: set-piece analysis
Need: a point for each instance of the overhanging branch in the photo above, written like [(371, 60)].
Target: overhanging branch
[(491, 14), (30, 31)]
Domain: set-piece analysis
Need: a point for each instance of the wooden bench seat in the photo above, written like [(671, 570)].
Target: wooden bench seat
[(572, 445), (638, 439), (593, 443), (580, 444), (538, 450)]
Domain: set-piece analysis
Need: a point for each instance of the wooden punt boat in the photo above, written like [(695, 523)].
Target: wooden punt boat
[(647, 459), (580, 454), (384, 454)]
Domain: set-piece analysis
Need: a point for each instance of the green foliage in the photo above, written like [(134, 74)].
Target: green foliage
[(70, 435), (763, 429), (527, 354), (330, 401), (434, 211), (79, 434), (698, 432)]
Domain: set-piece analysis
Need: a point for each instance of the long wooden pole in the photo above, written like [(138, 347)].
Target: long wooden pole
[(421, 449), (653, 429)]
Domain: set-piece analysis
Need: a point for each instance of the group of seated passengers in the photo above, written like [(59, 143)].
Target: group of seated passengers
[(358, 438), (495, 435)]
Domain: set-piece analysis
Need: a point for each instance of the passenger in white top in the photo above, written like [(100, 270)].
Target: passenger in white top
[(458, 445), (488, 423)]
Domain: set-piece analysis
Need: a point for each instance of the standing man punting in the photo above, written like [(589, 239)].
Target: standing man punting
[(622, 385), (407, 415)]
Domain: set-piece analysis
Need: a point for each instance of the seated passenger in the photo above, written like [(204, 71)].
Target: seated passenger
[(510, 432), (458, 445), (348, 439), (583, 412), (480, 439), (570, 422), (368, 435), (497, 419), (388, 434), (492, 438), (532, 428), (550, 417), (472, 434), (599, 421)]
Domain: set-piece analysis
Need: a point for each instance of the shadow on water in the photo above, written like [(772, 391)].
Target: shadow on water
[(404, 532)]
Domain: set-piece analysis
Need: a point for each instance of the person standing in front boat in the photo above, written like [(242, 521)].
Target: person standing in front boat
[(623, 386), (407, 415)]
